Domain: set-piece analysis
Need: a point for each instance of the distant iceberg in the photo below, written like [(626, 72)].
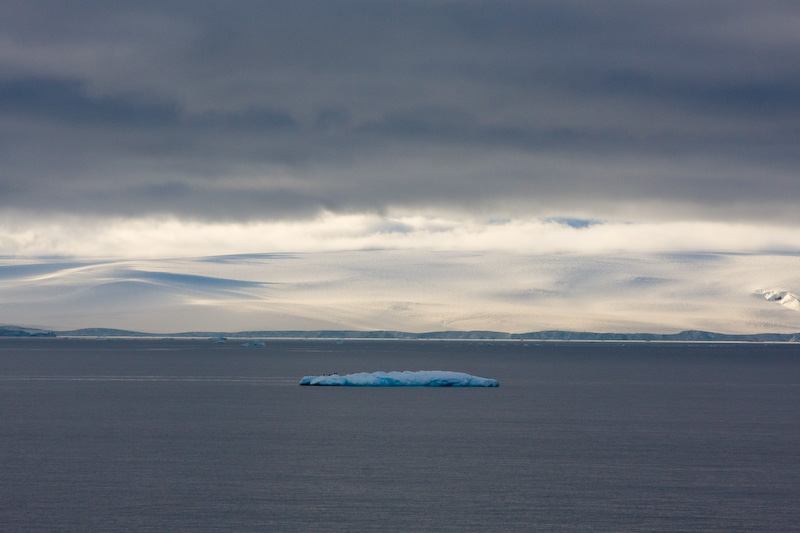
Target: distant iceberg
[(422, 378)]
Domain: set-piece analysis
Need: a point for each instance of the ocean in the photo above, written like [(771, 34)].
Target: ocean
[(189, 435)]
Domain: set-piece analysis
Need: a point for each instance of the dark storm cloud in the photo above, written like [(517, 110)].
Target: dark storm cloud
[(279, 109), (61, 100)]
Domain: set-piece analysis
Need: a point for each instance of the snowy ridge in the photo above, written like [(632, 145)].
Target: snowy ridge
[(785, 298), (422, 378), (340, 336)]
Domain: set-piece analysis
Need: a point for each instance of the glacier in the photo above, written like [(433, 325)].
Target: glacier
[(405, 378)]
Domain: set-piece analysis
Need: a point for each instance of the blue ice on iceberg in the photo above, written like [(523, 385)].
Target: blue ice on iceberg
[(406, 378)]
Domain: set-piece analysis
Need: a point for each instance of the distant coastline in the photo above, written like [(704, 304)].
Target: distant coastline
[(552, 335)]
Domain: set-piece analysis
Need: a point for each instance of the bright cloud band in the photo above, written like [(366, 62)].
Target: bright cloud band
[(336, 232)]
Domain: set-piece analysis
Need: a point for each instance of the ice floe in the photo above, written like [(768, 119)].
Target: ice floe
[(422, 378)]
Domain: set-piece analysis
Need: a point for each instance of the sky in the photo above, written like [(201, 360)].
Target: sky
[(190, 129)]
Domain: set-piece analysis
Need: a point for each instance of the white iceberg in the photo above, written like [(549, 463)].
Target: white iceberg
[(406, 378)]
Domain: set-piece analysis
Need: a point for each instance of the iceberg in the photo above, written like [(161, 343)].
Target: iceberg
[(406, 378)]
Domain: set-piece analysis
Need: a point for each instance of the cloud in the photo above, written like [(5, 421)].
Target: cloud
[(329, 232), (257, 112), (66, 101)]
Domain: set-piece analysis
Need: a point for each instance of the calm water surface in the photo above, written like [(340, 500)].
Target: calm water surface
[(187, 435)]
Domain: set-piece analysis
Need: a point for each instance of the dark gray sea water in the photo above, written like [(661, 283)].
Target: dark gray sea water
[(187, 435)]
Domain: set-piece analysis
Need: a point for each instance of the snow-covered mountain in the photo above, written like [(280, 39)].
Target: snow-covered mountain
[(784, 298), (413, 291)]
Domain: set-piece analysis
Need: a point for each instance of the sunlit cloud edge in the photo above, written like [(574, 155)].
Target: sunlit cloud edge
[(173, 237)]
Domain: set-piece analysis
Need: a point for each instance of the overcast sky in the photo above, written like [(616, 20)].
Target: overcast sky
[(256, 114)]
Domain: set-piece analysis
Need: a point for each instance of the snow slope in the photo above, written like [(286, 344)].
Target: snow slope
[(409, 291), (784, 298)]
